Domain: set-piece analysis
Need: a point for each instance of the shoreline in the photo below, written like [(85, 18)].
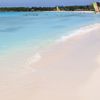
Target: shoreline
[(63, 38), (68, 69), (72, 11), (79, 32)]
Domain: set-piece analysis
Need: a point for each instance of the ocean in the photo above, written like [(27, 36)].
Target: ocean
[(26, 33)]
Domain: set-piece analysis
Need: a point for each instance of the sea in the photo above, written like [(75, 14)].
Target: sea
[(24, 34)]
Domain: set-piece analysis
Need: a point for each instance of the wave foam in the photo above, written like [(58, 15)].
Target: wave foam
[(80, 31), (35, 58)]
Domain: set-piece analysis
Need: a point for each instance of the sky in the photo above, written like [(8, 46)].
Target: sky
[(32, 3)]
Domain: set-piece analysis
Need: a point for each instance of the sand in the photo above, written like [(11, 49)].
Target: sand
[(67, 70)]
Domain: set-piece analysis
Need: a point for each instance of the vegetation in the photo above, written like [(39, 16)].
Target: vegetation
[(66, 8), (77, 8), (15, 9)]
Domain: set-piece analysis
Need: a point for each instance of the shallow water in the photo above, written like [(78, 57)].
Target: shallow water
[(35, 30), (24, 34)]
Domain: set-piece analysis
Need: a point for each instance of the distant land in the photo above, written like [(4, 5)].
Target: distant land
[(62, 8)]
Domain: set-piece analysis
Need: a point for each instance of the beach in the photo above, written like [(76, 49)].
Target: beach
[(68, 69)]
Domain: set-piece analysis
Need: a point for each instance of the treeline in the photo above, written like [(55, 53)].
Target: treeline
[(77, 8), (15, 9), (65, 8), (27, 8)]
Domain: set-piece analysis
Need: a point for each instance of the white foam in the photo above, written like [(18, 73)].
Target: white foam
[(35, 58), (80, 31)]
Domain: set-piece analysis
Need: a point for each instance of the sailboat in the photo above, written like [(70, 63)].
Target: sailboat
[(57, 8)]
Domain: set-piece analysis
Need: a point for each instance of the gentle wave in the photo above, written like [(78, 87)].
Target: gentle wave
[(80, 31), (33, 59), (86, 29)]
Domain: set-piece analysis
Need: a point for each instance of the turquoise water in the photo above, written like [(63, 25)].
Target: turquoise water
[(19, 30)]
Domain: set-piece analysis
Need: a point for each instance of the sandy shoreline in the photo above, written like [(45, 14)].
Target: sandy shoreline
[(72, 11), (69, 69)]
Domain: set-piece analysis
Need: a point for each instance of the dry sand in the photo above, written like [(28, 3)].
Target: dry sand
[(68, 70)]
